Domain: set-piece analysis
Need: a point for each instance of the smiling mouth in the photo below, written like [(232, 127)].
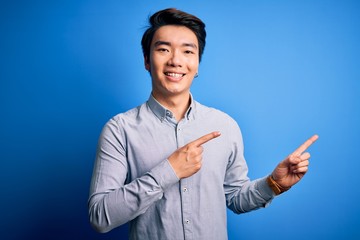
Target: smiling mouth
[(174, 75)]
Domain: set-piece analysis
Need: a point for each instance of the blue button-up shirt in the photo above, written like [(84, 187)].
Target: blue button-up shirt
[(133, 180)]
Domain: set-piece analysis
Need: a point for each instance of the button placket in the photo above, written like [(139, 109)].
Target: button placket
[(186, 208), (184, 188)]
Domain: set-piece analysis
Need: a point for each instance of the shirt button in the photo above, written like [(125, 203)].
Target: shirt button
[(187, 221), (185, 189)]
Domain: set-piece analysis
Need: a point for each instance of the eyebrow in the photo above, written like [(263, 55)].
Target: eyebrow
[(158, 43)]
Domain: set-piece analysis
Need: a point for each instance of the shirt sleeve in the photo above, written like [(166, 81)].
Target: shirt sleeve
[(112, 202), (242, 194)]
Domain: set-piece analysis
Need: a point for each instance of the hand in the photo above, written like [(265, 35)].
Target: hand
[(187, 160), (293, 168)]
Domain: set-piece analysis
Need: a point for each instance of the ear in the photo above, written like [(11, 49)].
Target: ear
[(147, 63)]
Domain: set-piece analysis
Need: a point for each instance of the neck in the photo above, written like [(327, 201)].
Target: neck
[(178, 105)]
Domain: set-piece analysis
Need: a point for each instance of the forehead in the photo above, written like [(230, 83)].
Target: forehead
[(175, 35)]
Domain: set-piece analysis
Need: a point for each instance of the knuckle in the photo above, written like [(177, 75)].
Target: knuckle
[(198, 159), (197, 166), (187, 147), (305, 156)]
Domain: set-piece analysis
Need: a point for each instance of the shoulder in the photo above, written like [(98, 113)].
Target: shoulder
[(129, 116), (123, 120)]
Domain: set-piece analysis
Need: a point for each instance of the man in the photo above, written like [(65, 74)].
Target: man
[(171, 166)]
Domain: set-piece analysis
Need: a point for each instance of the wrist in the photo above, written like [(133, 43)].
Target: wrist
[(277, 189)]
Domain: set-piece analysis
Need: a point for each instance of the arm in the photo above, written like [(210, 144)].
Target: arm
[(112, 202), (251, 195), (242, 195)]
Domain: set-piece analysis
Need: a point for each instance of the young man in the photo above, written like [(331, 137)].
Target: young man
[(171, 166)]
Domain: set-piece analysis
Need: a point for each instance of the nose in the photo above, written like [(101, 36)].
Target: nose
[(175, 59)]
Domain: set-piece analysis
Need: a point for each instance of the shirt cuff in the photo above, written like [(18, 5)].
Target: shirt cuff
[(164, 175), (264, 189)]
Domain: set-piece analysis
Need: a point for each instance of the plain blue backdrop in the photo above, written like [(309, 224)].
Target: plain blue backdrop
[(283, 70)]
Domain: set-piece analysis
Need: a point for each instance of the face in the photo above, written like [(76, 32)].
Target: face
[(174, 61)]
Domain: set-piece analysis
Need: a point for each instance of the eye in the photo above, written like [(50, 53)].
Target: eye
[(189, 52), (162, 50)]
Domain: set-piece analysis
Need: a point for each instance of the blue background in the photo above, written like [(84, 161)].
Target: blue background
[(283, 69)]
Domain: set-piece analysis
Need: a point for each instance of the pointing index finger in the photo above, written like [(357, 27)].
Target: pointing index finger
[(306, 145), (200, 141)]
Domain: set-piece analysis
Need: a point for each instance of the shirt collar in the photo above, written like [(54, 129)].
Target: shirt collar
[(161, 112)]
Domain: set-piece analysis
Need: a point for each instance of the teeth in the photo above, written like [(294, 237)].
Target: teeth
[(175, 75)]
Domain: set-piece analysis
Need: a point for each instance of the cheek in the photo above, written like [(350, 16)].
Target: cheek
[(194, 65), (156, 64)]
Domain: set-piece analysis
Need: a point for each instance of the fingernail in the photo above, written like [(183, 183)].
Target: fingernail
[(217, 133)]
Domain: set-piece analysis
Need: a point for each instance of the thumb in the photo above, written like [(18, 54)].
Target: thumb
[(283, 167), (290, 160), (293, 159)]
